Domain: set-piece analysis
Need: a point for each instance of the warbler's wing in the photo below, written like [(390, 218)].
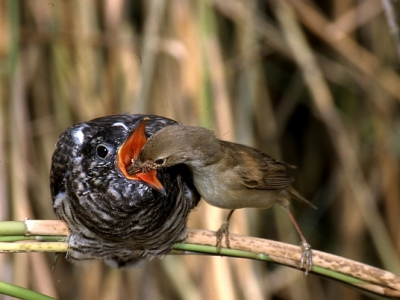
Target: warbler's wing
[(257, 170)]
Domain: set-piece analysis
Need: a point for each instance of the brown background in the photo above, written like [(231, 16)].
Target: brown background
[(314, 83)]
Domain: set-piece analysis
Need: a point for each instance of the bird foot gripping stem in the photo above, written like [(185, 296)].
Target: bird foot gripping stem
[(223, 230), (306, 254), (306, 257)]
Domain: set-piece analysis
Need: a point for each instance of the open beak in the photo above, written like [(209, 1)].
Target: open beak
[(130, 150)]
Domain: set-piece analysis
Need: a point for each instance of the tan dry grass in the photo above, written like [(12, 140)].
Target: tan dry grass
[(321, 92)]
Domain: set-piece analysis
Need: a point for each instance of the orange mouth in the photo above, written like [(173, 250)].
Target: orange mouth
[(130, 151)]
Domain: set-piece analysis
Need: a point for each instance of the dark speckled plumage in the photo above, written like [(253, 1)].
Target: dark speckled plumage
[(110, 216)]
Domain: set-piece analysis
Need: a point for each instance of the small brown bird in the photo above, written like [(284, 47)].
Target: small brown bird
[(226, 175)]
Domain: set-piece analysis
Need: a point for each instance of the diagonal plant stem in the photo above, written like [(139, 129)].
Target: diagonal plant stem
[(323, 263), (21, 293)]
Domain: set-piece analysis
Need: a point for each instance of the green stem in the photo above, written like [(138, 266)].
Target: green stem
[(12, 228), (202, 249), (42, 238), (21, 293)]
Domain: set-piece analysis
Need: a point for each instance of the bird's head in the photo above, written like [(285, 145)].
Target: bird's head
[(100, 150), (89, 164), (177, 144)]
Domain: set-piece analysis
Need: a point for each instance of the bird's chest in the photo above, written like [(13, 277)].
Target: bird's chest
[(210, 190), (215, 189), (223, 191)]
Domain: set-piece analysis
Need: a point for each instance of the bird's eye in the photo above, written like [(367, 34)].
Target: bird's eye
[(160, 161), (102, 151)]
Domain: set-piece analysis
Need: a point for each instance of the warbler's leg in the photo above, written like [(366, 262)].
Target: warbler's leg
[(306, 256), (224, 230)]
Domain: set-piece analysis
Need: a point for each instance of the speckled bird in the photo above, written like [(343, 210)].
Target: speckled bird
[(111, 215)]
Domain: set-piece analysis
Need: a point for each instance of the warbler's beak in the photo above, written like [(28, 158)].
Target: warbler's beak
[(129, 152)]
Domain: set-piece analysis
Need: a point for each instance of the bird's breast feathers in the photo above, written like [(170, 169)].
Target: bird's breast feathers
[(225, 193)]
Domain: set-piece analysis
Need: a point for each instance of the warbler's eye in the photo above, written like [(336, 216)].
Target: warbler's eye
[(160, 161), (102, 151)]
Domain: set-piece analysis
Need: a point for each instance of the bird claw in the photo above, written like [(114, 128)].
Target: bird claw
[(223, 230), (306, 257)]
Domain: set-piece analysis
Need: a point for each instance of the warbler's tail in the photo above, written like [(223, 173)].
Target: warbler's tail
[(295, 194)]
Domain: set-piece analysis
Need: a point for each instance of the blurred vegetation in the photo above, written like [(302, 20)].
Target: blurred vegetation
[(315, 83)]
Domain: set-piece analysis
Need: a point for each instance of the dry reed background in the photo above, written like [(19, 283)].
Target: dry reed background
[(313, 82)]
